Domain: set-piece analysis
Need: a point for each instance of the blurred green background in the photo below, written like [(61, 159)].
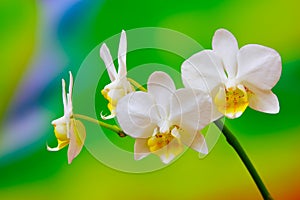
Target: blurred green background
[(42, 40)]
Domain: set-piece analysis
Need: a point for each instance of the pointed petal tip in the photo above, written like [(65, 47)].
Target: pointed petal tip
[(71, 79), (63, 82), (123, 36), (165, 162), (166, 159), (70, 159), (103, 50), (71, 155), (137, 157), (233, 115), (275, 111), (141, 149), (270, 110), (107, 116), (204, 149), (103, 46), (52, 149), (140, 156)]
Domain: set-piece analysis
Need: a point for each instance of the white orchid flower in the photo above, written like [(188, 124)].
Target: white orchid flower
[(234, 77), (119, 86), (163, 119), (67, 129)]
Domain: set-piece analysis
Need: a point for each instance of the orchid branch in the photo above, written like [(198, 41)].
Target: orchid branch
[(232, 140), (113, 128), (137, 85)]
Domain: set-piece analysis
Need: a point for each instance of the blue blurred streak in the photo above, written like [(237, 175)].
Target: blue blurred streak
[(28, 118)]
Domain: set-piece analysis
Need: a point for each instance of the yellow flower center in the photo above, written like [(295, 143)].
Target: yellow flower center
[(233, 101), (160, 140), (111, 103), (61, 135)]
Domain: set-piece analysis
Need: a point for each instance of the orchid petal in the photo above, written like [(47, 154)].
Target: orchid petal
[(220, 99), (77, 138), (137, 114), (106, 117), (69, 96), (70, 86), (190, 109), (170, 151), (59, 146), (161, 87), (165, 157), (61, 120), (141, 149), (216, 114), (64, 95), (259, 65), (68, 128), (203, 71), (115, 94), (198, 143), (226, 46), (263, 101), (122, 71), (108, 61)]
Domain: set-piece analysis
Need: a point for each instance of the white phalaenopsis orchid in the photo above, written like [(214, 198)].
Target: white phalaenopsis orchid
[(234, 77), (163, 118), (119, 86), (67, 129)]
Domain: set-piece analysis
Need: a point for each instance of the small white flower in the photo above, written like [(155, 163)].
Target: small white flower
[(234, 77), (163, 118), (119, 86), (67, 129)]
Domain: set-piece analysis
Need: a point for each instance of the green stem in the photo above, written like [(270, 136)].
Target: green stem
[(232, 140), (114, 128), (137, 85)]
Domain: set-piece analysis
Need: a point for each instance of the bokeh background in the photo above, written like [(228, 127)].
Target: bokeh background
[(42, 40)]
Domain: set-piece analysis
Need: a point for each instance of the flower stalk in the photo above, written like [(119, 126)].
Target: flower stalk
[(137, 85), (113, 128), (232, 140)]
